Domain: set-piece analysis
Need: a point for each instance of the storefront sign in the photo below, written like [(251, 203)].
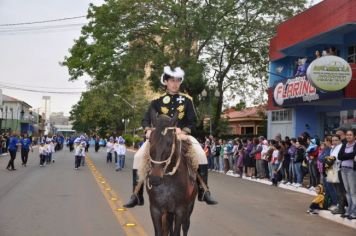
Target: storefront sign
[(299, 90), (329, 73)]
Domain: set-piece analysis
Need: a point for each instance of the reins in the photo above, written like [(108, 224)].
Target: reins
[(169, 159)]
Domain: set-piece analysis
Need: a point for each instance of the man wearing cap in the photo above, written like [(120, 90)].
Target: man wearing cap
[(169, 103)]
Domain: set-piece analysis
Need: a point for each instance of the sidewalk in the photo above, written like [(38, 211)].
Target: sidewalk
[(324, 213)]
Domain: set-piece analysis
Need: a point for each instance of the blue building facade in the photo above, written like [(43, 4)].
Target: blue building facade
[(299, 41)]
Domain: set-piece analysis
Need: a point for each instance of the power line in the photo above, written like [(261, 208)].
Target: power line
[(40, 91), (28, 86), (43, 21), (46, 27)]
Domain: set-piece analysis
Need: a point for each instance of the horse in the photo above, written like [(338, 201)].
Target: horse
[(171, 181)]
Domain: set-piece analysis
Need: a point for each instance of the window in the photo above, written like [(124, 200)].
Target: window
[(247, 130), (282, 115), (351, 57)]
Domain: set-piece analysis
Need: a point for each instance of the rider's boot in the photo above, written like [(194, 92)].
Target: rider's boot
[(137, 195), (203, 191)]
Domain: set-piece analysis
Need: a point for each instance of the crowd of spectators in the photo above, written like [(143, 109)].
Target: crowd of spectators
[(328, 165)]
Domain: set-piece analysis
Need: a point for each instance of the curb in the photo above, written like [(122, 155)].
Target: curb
[(323, 213), (336, 218), (280, 185)]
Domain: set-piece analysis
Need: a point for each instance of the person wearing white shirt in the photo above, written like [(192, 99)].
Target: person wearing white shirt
[(79, 150), (43, 153), (338, 185), (109, 150), (120, 149)]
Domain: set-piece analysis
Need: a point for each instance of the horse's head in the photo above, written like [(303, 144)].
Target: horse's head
[(162, 146)]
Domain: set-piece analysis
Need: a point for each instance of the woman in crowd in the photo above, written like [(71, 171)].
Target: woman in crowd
[(221, 157), (330, 194), (255, 150), (217, 155), (337, 182), (347, 156), (299, 157), (292, 150), (250, 160)]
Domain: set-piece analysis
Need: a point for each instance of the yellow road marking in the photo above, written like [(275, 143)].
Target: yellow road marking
[(125, 218)]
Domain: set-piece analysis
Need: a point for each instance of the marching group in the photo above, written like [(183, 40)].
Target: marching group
[(328, 165), (14, 143)]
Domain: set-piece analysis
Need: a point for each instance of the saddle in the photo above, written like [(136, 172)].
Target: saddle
[(187, 153)]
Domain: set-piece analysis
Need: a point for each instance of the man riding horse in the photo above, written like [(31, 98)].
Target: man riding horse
[(171, 102)]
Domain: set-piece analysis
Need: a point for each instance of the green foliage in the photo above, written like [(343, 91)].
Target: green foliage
[(240, 106), (129, 139), (221, 44)]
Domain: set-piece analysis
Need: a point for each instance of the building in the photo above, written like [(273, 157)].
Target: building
[(58, 118), (247, 122), (16, 115), (297, 100)]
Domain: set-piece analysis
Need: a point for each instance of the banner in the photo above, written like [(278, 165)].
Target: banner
[(299, 90), (329, 73)]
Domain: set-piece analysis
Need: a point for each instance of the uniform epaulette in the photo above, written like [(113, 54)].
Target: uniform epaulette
[(186, 95)]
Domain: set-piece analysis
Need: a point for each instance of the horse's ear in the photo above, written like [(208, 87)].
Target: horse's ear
[(153, 115), (174, 119)]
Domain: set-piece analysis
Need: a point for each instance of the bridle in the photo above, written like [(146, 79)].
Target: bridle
[(169, 159)]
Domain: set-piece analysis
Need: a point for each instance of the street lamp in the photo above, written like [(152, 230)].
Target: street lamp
[(125, 121), (133, 115), (208, 94)]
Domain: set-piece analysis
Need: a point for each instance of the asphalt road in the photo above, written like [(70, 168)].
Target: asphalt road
[(57, 200)]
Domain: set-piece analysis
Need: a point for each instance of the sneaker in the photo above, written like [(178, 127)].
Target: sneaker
[(288, 183), (314, 212), (332, 207), (75, 168)]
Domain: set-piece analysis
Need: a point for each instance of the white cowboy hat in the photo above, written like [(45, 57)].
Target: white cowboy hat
[(176, 73)]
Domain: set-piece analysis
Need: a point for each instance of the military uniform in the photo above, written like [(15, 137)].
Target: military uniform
[(169, 104)]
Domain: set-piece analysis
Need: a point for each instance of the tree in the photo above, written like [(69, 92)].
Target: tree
[(218, 43), (240, 106)]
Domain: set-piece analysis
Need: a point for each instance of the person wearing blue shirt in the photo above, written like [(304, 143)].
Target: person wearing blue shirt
[(13, 143), (26, 145)]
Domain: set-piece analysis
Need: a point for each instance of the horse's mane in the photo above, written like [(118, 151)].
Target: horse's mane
[(183, 147)]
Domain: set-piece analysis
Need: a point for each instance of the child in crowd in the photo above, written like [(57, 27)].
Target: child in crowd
[(318, 202), (51, 149), (109, 150), (311, 157), (121, 152), (43, 153), (79, 150)]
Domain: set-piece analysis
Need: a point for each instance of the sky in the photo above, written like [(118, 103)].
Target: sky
[(31, 59)]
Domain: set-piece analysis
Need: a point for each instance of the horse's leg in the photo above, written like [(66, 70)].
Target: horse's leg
[(165, 224), (156, 216), (170, 219), (186, 219), (185, 225), (177, 222)]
